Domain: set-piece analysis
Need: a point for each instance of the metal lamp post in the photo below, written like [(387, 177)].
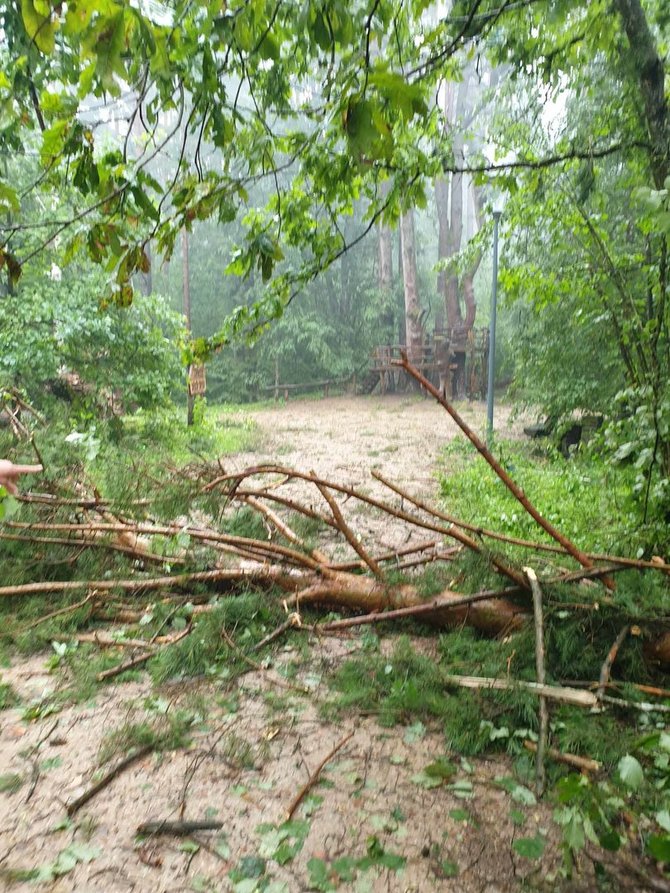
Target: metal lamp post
[(492, 326)]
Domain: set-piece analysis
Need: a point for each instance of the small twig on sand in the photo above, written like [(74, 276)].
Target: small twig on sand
[(606, 668), (259, 669), (584, 764), (314, 777), (177, 829), (120, 767), (540, 775)]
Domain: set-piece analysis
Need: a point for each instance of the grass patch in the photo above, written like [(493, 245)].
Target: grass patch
[(400, 688), (8, 697), (169, 731), (246, 618), (586, 499), (10, 783)]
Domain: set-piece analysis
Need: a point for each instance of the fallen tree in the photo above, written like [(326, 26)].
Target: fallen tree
[(342, 571)]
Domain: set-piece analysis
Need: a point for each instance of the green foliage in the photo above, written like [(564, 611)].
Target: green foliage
[(405, 686), (166, 731), (49, 327), (10, 783), (583, 497), (247, 618), (8, 697)]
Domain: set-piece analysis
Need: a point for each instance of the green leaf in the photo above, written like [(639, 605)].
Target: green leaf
[(109, 44), (442, 769), (414, 733), (658, 846), (9, 200), (530, 847), (459, 815), (630, 772), (427, 781), (39, 26), (663, 819), (518, 818), (319, 875)]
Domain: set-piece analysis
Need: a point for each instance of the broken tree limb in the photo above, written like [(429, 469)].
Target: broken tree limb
[(314, 777), (256, 575), (348, 533), (560, 693), (634, 563), (81, 542), (453, 532), (606, 668), (434, 606), (120, 767), (291, 504), (210, 537), (511, 485), (540, 774), (491, 615), (584, 764)]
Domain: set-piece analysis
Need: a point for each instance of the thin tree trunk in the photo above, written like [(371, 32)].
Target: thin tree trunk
[(412, 304), (449, 201), (186, 287)]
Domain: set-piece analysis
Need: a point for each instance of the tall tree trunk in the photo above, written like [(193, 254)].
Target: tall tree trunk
[(650, 71), (412, 304), (449, 200), (385, 273), (385, 248), (186, 292), (470, 273)]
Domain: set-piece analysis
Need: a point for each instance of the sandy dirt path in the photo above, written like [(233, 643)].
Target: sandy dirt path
[(344, 438)]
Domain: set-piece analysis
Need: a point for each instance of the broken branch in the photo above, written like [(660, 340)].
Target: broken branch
[(511, 485)]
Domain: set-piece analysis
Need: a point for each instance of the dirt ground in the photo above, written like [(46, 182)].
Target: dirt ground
[(373, 821), (344, 439)]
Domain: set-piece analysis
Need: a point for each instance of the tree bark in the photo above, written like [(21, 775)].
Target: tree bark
[(385, 272), (650, 72), (412, 304), (471, 272)]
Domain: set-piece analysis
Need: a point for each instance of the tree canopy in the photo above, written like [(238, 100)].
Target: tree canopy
[(151, 115)]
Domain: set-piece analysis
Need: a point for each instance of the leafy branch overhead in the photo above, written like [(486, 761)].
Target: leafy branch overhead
[(153, 116)]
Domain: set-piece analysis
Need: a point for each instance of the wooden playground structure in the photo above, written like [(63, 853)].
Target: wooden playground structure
[(454, 360)]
